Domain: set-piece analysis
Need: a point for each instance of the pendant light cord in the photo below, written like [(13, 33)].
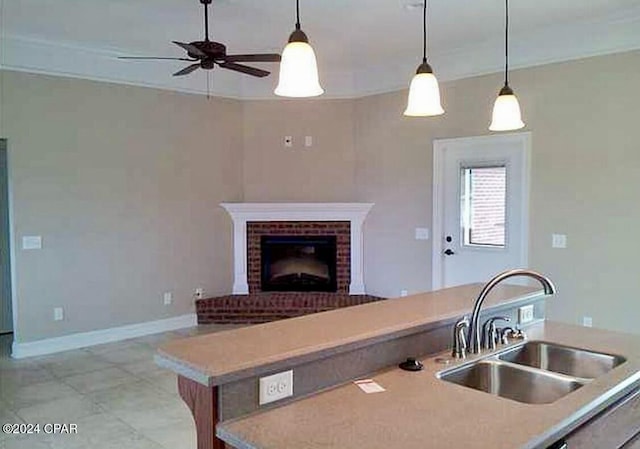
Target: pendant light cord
[(424, 32), (506, 44), (297, 14)]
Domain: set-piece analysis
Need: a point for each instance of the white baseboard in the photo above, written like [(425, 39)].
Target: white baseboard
[(92, 338)]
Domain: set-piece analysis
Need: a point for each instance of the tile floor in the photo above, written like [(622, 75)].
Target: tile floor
[(115, 394)]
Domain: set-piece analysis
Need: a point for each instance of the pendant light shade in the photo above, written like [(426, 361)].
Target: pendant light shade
[(424, 94), (506, 110), (298, 68), (424, 91)]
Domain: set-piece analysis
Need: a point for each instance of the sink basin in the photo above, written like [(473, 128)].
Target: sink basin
[(517, 383), (562, 359)]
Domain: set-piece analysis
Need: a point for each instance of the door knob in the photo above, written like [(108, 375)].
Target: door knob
[(449, 252)]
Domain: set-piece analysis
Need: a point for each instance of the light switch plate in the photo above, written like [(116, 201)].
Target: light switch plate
[(422, 233), (31, 242), (308, 141), (558, 241)]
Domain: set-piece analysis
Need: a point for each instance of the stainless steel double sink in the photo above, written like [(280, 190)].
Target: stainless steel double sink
[(535, 372)]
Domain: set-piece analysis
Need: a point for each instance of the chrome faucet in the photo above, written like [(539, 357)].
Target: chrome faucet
[(459, 350), (473, 336), (490, 334)]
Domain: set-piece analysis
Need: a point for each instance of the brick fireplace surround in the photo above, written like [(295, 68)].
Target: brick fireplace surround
[(255, 220)]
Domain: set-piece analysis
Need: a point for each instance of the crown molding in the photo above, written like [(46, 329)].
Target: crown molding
[(616, 33), (26, 54)]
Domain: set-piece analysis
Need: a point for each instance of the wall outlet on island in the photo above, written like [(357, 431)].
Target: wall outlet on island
[(199, 293), (276, 387), (525, 314)]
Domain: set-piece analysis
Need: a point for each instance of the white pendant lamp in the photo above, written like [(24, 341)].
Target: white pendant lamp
[(298, 68), (506, 110), (424, 92)]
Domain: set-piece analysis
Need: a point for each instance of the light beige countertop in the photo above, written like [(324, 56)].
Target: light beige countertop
[(420, 411), (227, 356)]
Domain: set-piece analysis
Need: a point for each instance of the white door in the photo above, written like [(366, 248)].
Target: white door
[(481, 206)]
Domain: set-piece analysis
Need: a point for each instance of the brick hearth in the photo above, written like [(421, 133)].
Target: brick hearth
[(271, 306)]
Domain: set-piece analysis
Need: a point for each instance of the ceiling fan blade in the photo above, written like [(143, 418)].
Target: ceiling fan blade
[(191, 49), (187, 70), (265, 57), (244, 69), (155, 58)]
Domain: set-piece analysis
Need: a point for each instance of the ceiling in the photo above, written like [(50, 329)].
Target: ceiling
[(363, 46)]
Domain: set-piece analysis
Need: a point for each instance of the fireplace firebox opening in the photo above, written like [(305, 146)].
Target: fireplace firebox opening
[(298, 263)]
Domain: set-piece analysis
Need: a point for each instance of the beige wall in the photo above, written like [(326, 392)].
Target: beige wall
[(323, 173), (123, 184), (583, 117)]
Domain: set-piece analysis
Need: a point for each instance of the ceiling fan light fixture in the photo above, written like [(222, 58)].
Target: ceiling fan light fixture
[(424, 91), (298, 67), (424, 94), (506, 115)]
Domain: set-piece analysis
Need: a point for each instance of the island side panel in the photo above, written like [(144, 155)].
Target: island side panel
[(203, 403)]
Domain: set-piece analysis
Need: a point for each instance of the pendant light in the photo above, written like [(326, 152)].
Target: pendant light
[(424, 92), (506, 110), (298, 68)]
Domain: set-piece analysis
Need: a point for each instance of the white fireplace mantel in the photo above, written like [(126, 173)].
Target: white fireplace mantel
[(241, 213)]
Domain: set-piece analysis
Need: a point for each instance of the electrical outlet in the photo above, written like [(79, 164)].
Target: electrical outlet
[(525, 314), (587, 321), (199, 294), (168, 298), (276, 387), (308, 141), (288, 141), (404, 293), (58, 314)]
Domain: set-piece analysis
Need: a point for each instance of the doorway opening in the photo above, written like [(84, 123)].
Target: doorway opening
[(6, 314)]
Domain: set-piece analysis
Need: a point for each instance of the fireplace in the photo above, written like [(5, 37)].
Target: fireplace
[(253, 220), (291, 259), (298, 263)]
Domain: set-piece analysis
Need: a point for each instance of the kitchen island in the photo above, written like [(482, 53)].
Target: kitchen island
[(419, 410), (219, 377)]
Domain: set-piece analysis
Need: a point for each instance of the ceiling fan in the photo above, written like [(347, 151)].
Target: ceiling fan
[(208, 54)]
